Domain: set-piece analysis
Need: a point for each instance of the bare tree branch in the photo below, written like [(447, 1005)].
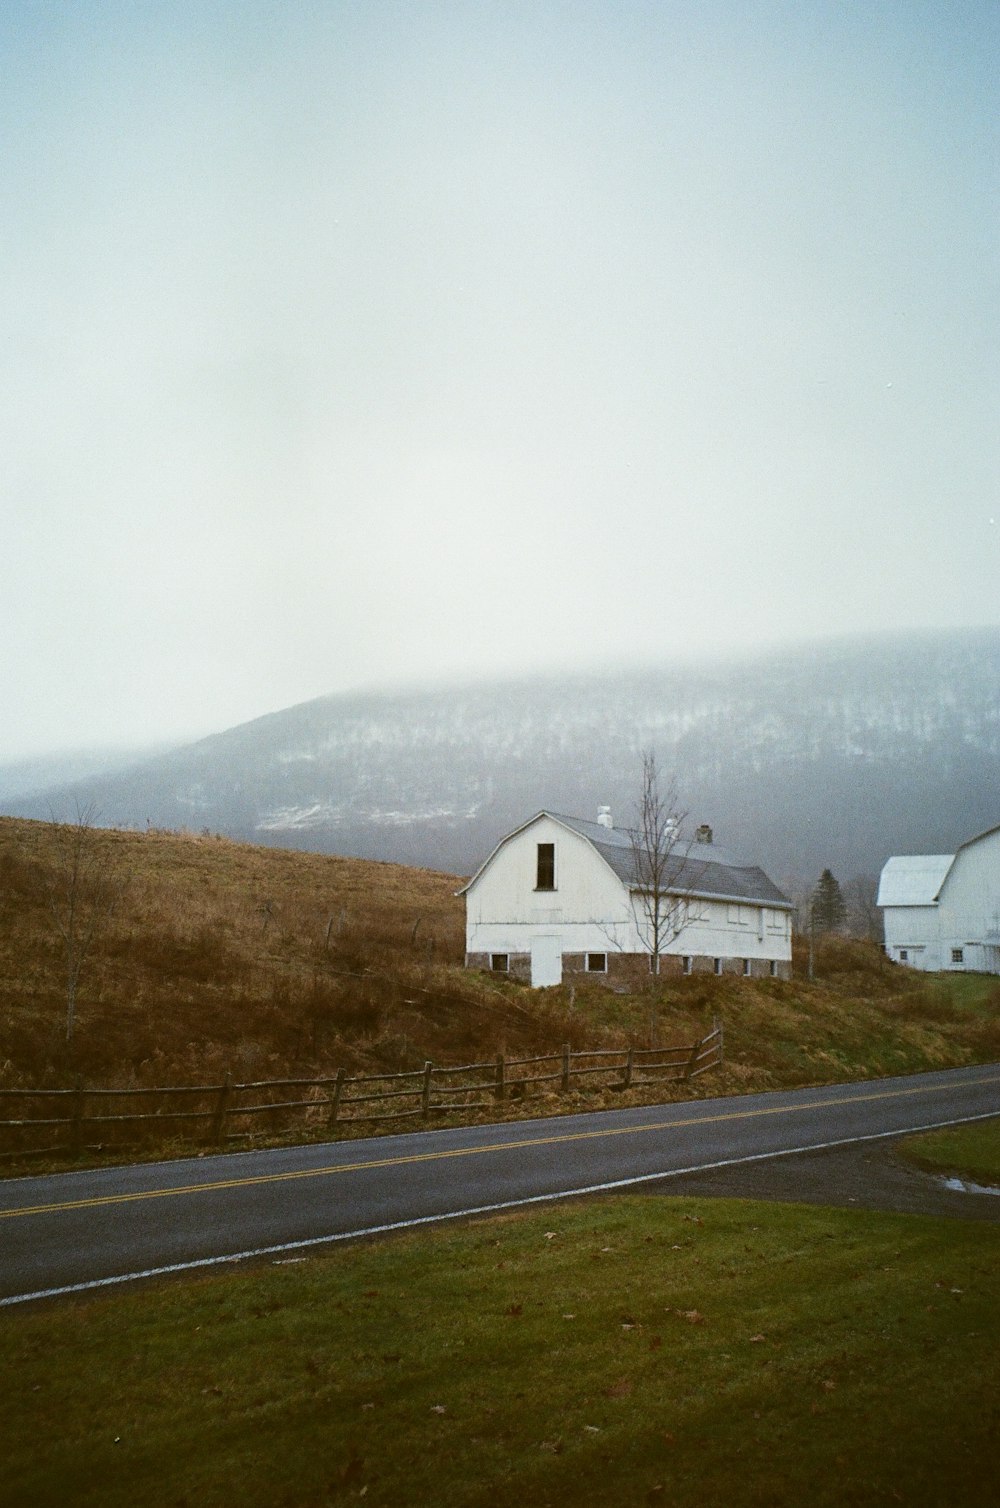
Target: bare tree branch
[(659, 857)]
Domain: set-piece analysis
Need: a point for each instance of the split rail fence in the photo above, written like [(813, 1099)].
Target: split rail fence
[(79, 1118)]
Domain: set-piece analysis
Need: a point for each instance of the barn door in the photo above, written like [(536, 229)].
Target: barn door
[(546, 962)]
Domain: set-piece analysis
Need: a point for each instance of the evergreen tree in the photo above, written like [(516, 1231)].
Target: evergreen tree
[(828, 908)]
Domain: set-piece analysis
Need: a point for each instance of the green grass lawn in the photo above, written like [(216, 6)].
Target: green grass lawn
[(659, 1350), (971, 1151)]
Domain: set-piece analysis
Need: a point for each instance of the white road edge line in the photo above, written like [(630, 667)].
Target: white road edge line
[(482, 1209)]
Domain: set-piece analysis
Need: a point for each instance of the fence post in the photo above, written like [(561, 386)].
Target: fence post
[(76, 1127), (722, 1041), (564, 1085), (500, 1089), (627, 1079), (219, 1113), (338, 1089), (425, 1093), (692, 1060)]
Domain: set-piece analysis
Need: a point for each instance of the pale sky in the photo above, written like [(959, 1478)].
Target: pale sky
[(361, 343)]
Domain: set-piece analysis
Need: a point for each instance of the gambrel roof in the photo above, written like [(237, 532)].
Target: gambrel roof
[(702, 870), (913, 879), (917, 879)]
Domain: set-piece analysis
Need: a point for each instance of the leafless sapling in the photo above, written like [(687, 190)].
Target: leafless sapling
[(660, 862), (83, 890)]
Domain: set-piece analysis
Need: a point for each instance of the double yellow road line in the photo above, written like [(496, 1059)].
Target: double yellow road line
[(330, 1170)]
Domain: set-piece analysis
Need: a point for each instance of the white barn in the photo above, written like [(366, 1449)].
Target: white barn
[(560, 897), (942, 911)]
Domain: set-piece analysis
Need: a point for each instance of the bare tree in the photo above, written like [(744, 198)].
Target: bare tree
[(84, 889), (863, 916), (659, 862)]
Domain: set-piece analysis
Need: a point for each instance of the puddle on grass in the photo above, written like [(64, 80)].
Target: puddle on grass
[(963, 1186)]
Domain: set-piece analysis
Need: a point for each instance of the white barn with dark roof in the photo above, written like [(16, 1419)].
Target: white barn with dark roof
[(942, 911), (560, 897)]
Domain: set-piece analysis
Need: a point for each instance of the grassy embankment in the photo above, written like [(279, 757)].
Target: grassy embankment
[(969, 1152), (266, 963)]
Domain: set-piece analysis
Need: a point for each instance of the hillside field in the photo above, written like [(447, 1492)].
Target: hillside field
[(220, 956)]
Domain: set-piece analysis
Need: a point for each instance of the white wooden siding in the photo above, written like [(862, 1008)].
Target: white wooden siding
[(589, 906), (969, 906), (913, 931)]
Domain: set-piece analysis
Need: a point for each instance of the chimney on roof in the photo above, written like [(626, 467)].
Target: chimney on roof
[(604, 817), (703, 834)]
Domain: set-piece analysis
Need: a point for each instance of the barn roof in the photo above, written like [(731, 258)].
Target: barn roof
[(913, 879), (704, 870), (978, 838)]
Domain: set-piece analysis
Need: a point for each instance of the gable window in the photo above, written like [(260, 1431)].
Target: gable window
[(545, 874), (958, 955), (500, 963), (597, 963)]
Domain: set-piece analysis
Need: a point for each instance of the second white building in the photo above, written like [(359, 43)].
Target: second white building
[(942, 911)]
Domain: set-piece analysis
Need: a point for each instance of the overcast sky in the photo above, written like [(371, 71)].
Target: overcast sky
[(360, 343)]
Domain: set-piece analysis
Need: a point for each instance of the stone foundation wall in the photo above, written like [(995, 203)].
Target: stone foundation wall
[(518, 964), (631, 970)]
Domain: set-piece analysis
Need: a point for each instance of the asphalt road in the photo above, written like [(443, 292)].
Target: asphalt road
[(74, 1231)]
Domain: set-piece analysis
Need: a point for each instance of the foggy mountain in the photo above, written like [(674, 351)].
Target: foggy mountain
[(835, 754), (26, 777)]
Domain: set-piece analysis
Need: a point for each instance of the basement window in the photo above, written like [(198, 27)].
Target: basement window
[(545, 874), (500, 963), (718, 965), (958, 955), (687, 963), (746, 968), (597, 963), (774, 968)]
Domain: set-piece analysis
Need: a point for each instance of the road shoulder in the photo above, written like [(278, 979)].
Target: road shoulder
[(864, 1176)]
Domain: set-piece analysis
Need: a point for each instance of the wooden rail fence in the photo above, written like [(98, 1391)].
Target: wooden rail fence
[(216, 1113)]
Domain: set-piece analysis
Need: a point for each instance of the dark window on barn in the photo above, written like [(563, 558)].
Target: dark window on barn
[(687, 963), (958, 955), (597, 963), (500, 962), (746, 968), (904, 955), (774, 968), (718, 965), (546, 874)]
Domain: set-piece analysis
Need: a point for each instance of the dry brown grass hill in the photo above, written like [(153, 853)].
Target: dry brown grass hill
[(222, 956)]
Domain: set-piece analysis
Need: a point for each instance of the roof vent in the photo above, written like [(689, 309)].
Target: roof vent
[(703, 834), (604, 817)]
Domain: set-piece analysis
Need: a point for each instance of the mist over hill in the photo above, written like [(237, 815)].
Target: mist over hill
[(834, 754), (29, 777)]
